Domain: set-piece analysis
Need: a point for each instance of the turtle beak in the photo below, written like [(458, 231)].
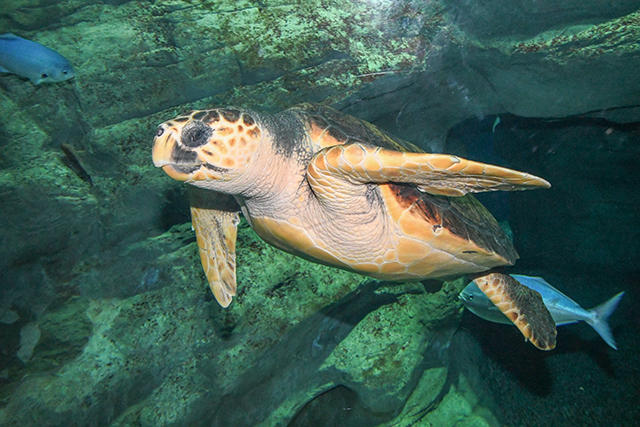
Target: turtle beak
[(176, 174), (179, 164), (163, 146)]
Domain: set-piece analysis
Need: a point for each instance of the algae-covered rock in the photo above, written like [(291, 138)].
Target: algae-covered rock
[(29, 337), (381, 356), (440, 60), (46, 207), (170, 354)]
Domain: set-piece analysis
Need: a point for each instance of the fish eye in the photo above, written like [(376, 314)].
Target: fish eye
[(44, 75), (65, 72)]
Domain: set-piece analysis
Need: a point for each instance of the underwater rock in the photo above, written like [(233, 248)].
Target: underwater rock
[(171, 355), (8, 316), (458, 405), (47, 210), (440, 60), (65, 331), (29, 337)]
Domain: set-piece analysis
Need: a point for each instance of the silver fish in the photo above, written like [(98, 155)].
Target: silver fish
[(563, 309), (32, 60)]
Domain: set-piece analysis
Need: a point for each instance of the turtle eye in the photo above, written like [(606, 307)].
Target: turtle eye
[(160, 131), (196, 134)]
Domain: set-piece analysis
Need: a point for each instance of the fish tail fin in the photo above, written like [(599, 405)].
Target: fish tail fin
[(599, 320)]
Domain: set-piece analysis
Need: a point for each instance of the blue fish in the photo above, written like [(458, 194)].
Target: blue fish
[(32, 60), (563, 309)]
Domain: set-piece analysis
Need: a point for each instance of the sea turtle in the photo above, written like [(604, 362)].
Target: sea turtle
[(336, 190)]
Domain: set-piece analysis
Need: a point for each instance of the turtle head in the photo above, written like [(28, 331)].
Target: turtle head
[(206, 146)]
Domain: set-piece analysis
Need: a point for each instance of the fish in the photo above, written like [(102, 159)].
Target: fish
[(32, 60), (563, 309)]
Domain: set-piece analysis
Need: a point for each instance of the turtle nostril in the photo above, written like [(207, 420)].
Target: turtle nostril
[(196, 134)]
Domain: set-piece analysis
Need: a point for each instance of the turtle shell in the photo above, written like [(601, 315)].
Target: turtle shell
[(463, 216)]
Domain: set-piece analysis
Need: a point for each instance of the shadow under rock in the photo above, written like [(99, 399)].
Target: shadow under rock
[(293, 364)]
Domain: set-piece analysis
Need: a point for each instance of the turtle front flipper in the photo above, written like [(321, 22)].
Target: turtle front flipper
[(439, 174), (523, 306), (215, 220)]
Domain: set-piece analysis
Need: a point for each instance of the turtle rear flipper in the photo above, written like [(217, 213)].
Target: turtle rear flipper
[(439, 174), (215, 220), (523, 306)]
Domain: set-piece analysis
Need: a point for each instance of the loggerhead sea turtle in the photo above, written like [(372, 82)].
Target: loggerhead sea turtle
[(336, 190)]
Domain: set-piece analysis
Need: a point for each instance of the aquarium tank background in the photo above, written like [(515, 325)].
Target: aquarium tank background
[(105, 313)]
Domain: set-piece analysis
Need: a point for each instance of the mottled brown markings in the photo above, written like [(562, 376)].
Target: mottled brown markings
[(254, 133), (199, 115), (247, 119), (181, 119), (212, 116), (231, 115), (224, 131), (232, 142)]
